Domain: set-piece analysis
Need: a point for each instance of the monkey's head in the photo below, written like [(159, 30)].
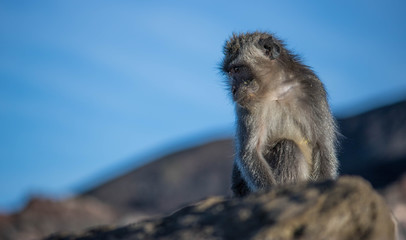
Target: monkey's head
[(251, 67)]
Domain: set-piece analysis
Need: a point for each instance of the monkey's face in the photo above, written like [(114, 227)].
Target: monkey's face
[(248, 64), (243, 85)]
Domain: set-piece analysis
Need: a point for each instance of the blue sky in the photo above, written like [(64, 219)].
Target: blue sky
[(89, 87)]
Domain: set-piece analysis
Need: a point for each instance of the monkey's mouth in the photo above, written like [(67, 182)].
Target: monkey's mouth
[(234, 90), (240, 85), (243, 94), (239, 93)]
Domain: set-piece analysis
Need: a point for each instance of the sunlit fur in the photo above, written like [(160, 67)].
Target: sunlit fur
[(285, 130)]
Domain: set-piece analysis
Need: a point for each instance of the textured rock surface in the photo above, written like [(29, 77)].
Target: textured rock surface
[(344, 209), (395, 196)]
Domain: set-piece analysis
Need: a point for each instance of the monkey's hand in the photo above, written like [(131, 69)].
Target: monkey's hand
[(256, 172)]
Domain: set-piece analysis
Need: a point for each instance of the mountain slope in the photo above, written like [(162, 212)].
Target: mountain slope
[(373, 146), (179, 178)]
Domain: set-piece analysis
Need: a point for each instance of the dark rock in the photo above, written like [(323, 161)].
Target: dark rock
[(344, 209)]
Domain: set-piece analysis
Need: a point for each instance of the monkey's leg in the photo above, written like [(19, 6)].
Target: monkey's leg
[(287, 162), (238, 185)]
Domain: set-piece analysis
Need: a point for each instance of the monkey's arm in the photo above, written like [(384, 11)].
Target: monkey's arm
[(325, 162), (324, 151)]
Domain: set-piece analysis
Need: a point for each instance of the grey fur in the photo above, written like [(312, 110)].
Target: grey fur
[(285, 129)]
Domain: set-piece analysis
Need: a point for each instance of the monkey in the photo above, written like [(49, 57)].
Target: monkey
[(285, 131)]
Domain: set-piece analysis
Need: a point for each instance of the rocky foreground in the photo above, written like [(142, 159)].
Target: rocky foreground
[(344, 209)]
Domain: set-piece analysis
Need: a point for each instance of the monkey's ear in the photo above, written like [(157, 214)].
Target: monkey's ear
[(271, 48)]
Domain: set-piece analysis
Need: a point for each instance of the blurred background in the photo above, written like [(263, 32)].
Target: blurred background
[(91, 90)]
